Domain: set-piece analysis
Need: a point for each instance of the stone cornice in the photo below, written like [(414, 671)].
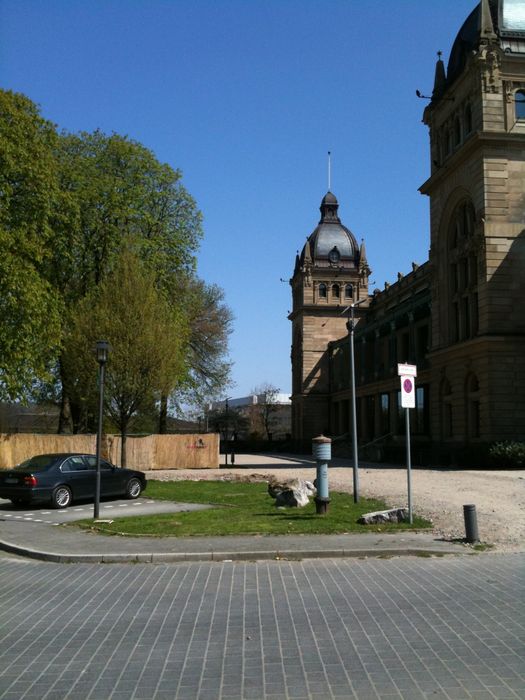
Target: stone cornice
[(481, 138)]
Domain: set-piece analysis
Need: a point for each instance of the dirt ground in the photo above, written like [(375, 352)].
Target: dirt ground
[(437, 494)]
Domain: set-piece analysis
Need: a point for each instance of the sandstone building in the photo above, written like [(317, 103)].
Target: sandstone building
[(460, 317)]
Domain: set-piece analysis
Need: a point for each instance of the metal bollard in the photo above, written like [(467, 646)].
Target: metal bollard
[(322, 451), (471, 523)]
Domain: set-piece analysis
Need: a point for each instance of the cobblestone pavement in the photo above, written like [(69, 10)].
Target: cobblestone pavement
[(401, 628)]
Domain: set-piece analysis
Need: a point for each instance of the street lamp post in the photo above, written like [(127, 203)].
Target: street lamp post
[(351, 327), (226, 433), (102, 357)]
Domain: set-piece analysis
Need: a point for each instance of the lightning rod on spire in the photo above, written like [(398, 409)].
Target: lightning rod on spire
[(329, 171)]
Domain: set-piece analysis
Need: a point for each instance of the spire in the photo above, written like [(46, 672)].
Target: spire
[(486, 28), (440, 78), (362, 252), (307, 252)]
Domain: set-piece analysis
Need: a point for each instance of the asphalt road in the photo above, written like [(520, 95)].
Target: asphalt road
[(405, 628)]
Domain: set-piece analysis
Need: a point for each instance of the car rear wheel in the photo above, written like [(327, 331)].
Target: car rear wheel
[(61, 497), (133, 488)]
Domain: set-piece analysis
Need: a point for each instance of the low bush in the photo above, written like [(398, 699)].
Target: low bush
[(508, 454)]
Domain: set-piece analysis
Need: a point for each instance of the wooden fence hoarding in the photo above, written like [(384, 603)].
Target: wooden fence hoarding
[(193, 451)]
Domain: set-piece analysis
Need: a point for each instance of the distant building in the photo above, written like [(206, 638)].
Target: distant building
[(258, 409), (460, 317), (16, 418)]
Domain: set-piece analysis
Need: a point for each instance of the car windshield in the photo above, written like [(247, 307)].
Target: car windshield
[(37, 464)]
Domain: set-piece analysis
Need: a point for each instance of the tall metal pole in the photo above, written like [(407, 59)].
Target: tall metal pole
[(226, 435), (351, 325), (409, 465), (102, 366)]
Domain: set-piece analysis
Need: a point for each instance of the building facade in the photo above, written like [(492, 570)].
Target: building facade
[(460, 317)]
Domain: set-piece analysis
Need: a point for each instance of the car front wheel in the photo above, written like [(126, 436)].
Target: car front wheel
[(133, 488), (62, 497)]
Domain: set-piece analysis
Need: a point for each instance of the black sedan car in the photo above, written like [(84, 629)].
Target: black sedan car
[(60, 478)]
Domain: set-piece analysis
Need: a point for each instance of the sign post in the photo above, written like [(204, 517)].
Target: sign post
[(407, 374)]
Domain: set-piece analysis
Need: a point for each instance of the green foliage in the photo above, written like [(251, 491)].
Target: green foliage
[(508, 454), (122, 193), (246, 509), (31, 207), (210, 322), (146, 335), (70, 206)]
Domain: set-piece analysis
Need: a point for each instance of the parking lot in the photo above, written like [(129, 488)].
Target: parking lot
[(108, 510)]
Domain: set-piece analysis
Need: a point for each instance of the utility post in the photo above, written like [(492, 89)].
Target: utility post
[(102, 357), (351, 327)]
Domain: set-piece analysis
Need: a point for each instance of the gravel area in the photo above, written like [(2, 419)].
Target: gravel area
[(437, 494)]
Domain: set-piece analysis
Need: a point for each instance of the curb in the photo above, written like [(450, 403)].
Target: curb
[(173, 557)]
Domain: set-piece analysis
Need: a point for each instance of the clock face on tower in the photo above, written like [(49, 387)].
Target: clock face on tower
[(334, 255)]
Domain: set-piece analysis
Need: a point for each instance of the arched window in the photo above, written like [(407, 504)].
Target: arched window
[(335, 291), (322, 291), (520, 104), (468, 119), (472, 396), (445, 391), (457, 131), (349, 291), (463, 275)]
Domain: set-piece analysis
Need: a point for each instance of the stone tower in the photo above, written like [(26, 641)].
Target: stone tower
[(476, 119), (330, 274)]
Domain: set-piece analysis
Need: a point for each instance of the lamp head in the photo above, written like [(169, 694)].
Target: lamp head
[(102, 351)]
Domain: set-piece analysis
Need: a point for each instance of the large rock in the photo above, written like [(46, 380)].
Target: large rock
[(291, 493), (394, 515)]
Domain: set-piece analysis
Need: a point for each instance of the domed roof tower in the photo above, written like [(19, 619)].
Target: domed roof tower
[(331, 273)]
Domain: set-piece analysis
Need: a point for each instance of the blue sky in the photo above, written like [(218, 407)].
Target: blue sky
[(246, 97)]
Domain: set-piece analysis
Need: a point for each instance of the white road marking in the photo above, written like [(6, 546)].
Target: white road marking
[(108, 506), (78, 509), (8, 515), (45, 512), (122, 505), (28, 518), (38, 521)]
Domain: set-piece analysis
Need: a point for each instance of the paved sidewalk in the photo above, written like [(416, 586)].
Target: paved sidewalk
[(66, 544)]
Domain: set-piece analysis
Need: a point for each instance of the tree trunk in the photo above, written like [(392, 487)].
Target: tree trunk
[(123, 438), (163, 415), (65, 424)]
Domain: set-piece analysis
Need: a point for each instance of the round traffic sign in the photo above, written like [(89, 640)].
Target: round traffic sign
[(407, 385)]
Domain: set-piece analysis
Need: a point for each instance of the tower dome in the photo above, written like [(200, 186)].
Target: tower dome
[(331, 242)]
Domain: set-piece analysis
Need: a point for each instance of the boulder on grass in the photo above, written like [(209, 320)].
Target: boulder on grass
[(394, 515), (291, 493)]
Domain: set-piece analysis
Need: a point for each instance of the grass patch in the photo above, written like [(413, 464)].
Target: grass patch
[(482, 547), (244, 509)]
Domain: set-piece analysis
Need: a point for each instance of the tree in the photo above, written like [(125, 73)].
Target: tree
[(147, 340), (32, 208), (266, 408), (210, 323), (123, 194), (228, 422)]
